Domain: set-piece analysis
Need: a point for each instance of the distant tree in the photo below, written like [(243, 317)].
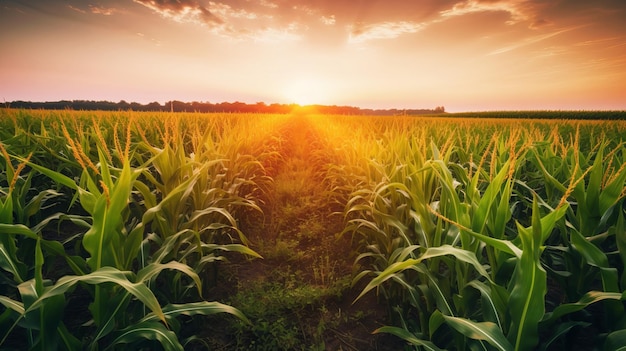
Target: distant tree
[(123, 105), (153, 106)]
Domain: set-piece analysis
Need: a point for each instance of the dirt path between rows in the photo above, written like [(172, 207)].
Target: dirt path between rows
[(303, 282)]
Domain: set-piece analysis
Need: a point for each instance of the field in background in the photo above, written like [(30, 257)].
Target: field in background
[(305, 231)]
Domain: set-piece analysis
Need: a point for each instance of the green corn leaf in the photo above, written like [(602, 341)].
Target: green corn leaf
[(432, 252), (479, 219), (485, 331), (56, 176), (18, 229), (204, 308), (34, 205), (595, 183), (435, 321), (103, 237), (6, 210), (81, 221), (132, 245), (174, 195), (8, 254), (526, 300), (500, 244), (44, 319), (105, 170), (550, 220), (387, 274), (242, 249), (88, 196), (51, 313), (148, 196), (210, 211), (460, 254), (152, 270), (401, 254), (547, 176), (492, 305), (13, 307), (589, 298), (615, 341), (11, 304), (110, 315), (9, 261), (172, 244), (408, 337), (100, 239), (620, 238), (69, 341), (436, 287), (612, 192), (87, 199), (413, 294), (147, 331), (39, 260), (503, 212), (561, 332), (103, 275), (595, 257)]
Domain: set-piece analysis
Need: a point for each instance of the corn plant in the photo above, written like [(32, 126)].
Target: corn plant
[(477, 274), (21, 256), (116, 271)]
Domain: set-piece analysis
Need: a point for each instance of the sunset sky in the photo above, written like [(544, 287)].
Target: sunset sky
[(467, 55)]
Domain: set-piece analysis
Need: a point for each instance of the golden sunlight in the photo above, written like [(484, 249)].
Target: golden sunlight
[(307, 91)]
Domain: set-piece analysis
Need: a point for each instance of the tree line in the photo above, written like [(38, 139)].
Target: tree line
[(195, 106)]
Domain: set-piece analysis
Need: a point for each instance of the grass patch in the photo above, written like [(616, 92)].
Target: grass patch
[(282, 310)]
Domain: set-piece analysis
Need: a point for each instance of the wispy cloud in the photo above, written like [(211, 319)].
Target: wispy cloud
[(597, 41), (328, 20), (275, 35), (224, 11), (618, 45), (74, 8), (227, 21), (550, 51), (530, 40), (269, 4), (96, 10), (384, 30), (475, 6), (518, 10), (101, 10), (154, 41), (183, 11)]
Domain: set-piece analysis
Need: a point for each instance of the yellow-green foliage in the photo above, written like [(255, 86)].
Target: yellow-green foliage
[(153, 199), (478, 232), (462, 222)]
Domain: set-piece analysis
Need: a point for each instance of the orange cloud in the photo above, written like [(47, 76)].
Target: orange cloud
[(518, 10), (101, 10), (182, 11), (384, 30)]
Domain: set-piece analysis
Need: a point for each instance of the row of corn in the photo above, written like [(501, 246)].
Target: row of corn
[(112, 224), (484, 234)]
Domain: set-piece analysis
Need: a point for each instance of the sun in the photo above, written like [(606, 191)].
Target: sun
[(307, 91)]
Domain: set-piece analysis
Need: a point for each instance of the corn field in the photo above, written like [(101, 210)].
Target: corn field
[(475, 234)]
